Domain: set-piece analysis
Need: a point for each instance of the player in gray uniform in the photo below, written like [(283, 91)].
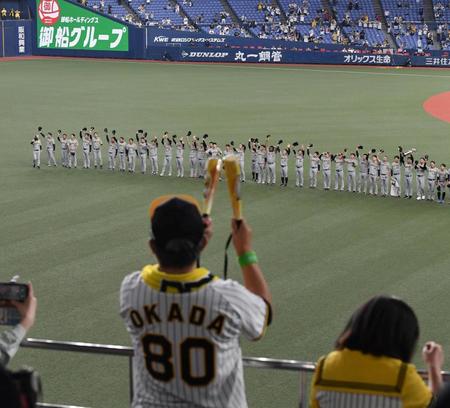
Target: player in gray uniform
[(201, 157), (73, 149), (284, 161), (339, 160), (179, 156), (271, 157), (409, 167), (131, 151), (442, 182), (326, 158), (213, 151), (97, 144), (262, 159), (385, 171), (299, 163), (363, 170), (122, 153), (51, 150), (240, 153), (37, 147), (421, 169), (432, 180), (112, 152), (86, 147), (168, 150), (396, 182), (351, 163), (153, 155), (253, 148), (314, 167), (64, 148), (193, 155), (374, 171), (143, 152)]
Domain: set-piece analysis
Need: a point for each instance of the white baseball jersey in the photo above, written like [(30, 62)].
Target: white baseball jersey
[(73, 145), (96, 143), (185, 331)]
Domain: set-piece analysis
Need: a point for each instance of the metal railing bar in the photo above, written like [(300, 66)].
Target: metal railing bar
[(44, 405)]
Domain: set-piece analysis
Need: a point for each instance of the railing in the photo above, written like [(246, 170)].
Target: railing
[(305, 369)]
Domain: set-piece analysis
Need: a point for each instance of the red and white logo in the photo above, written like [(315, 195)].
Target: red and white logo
[(48, 11)]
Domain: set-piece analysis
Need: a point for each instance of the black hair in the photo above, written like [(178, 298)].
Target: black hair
[(9, 392), (177, 253), (384, 326)]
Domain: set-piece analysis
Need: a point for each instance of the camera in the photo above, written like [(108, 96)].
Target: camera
[(18, 292)]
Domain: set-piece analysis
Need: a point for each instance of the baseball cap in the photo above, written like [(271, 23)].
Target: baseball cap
[(176, 217)]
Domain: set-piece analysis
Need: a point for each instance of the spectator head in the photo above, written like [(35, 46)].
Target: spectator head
[(9, 393), (384, 326), (177, 231)]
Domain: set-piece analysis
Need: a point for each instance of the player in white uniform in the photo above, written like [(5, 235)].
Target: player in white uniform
[(253, 148), (363, 170), (64, 148), (374, 171), (385, 171), (240, 153), (50, 150), (97, 144), (201, 157), (86, 147), (314, 167), (271, 157), (73, 149), (299, 160), (153, 154), (185, 323), (179, 156), (432, 180), (351, 163), (326, 159), (421, 169), (112, 152), (261, 164), (167, 144), (284, 162), (122, 153), (193, 154), (396, 178), (143, 149), (442, 181), (339, 183), (409, 167), (131, 150), (37, 147)]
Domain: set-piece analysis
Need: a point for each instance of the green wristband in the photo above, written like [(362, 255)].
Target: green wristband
[(248, 258)]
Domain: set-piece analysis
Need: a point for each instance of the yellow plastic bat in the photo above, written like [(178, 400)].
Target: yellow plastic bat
[(233, 172), (213, 167)]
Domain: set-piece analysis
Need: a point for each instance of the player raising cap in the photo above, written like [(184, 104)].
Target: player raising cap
[(185, 322)]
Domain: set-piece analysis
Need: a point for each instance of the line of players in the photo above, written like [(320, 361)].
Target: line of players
[(375, 172)]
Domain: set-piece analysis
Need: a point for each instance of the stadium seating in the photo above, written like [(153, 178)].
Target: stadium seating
[(312, 7), (247, 10), (117, 10), (409, 10), (157, 11)]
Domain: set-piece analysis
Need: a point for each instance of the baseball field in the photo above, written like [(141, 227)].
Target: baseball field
[(76, 233)]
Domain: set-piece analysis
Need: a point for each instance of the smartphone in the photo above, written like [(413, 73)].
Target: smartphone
[(9, 315)]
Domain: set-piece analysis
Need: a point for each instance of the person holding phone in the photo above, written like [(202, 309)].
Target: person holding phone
[(11, 338)]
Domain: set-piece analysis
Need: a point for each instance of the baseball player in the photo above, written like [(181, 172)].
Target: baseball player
[(179, 156), (213, 151), (421, 169), (143, 149), (351, 163), (314, 167), (86, 147), (339, 161), (193, 155), (432, 180), (326, 159), (73, 148), (284, 161), (131, 150), (385, 171), (112, 152), (363, 170), (37, 147), (271, 156), (201, 157), (299, 159), (51, 150), (153, 154), (261, 160), (122, 153), (240, 153), (409, 167), (442, 181), (374, 171), (64, 148), (168, 150), (253, 147), (396, 177), (97, 144), (185, 322)]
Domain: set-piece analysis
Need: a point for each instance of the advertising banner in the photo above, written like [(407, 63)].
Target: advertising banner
[(66, 26)]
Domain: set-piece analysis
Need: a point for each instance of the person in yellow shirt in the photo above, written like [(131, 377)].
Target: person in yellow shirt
[(371, 364), (4, 13), (17, 14)]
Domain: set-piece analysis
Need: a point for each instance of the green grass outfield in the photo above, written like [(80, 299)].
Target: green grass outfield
[(76, 233)]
